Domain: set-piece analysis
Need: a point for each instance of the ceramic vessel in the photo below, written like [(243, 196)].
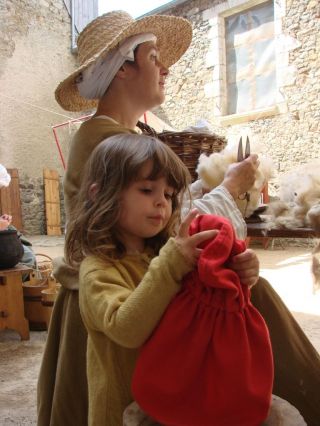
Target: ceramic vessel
[(11, 249)]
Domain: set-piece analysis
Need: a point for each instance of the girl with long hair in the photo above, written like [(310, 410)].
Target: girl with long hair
[(132, 253)]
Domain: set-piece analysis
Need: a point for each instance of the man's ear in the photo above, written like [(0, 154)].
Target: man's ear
[(124, 71), (121, 71), (93, 190)]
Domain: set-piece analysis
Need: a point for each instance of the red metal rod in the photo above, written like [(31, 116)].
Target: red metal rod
[(71, 121), (58, 146), (56, 136)]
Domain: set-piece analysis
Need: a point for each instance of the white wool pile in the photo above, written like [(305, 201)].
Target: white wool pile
[(5, 178), (211, 170), (299, 204)]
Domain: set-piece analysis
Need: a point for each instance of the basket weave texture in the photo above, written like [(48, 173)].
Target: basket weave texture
[(41, 276), (188, 145), (45, 266)]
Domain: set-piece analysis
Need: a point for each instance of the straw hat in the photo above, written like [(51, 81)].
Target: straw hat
[(106, 32)]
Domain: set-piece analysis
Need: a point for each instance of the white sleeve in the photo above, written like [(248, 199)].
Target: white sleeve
[(218, 202)]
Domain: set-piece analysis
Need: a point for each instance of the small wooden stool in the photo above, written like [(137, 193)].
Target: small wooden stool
[(11, 300)]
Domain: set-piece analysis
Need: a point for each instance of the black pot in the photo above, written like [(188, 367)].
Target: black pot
[(11, 249)]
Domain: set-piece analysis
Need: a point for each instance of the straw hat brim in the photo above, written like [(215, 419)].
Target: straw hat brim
[(173, 34)]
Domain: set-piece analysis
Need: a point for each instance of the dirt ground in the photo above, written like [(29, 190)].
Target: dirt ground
[(287, 270)]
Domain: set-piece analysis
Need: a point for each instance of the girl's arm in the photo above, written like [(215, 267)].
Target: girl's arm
[(218, 202), (111, 303)]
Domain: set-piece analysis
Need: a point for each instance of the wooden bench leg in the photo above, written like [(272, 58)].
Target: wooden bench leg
[(12, 305)]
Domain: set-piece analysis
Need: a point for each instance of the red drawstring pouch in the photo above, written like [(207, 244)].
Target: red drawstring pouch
[(209, 361)]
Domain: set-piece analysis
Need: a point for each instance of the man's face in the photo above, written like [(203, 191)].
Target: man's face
[(148, 75)]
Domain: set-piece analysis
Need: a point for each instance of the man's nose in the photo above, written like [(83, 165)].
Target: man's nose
[(163, 70)]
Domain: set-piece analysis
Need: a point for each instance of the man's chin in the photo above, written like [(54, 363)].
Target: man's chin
[(161, 99), (156, 101)]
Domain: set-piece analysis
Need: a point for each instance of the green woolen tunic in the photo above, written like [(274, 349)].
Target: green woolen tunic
[(121, 303)]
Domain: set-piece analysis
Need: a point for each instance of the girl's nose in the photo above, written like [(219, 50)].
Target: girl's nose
[(161, 200)]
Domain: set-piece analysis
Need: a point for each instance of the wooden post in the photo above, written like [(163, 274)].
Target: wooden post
[(52, 201)]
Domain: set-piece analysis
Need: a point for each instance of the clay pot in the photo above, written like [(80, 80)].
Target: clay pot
[(11, 249)]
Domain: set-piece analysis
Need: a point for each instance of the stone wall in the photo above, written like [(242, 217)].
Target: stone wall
[(291, 137), (35, 55), (33, 205), (35, 41)]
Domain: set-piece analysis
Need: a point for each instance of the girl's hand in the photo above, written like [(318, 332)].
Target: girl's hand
[(188, 244), (246, 265)]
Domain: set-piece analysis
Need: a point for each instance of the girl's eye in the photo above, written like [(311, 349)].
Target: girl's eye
[(146, 190), (168, 195)]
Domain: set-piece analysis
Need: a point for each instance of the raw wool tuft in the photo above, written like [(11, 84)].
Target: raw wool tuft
[(211, 170), (299, 204), (5, 178)]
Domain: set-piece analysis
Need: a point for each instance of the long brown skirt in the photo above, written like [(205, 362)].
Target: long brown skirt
[(62, 386)]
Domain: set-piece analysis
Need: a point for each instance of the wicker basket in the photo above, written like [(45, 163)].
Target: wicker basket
[(41, 279), (44, 266), (188, 145)]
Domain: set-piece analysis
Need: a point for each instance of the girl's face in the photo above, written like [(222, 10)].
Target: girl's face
[(148, 76), (146, 207)]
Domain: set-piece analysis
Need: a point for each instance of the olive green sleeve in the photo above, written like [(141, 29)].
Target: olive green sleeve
[(129, 315)]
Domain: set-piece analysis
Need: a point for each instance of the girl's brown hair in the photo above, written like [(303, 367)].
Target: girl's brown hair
[(113, 165)]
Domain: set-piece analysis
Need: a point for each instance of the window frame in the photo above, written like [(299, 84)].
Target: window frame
[(216, 60)]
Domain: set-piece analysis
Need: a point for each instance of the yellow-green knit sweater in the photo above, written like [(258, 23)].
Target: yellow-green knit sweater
[(121, 303)]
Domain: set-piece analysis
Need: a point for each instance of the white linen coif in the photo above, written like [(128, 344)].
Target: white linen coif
[(94, 81)]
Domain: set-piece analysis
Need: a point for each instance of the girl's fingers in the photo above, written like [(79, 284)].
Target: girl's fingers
[(185, 224), (203, 236), (250, 282), (247, 260), (251, 264), (246, 256), (198, 252), (247, 273)]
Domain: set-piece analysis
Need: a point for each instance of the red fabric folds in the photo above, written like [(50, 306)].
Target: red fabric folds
[(209, 361)]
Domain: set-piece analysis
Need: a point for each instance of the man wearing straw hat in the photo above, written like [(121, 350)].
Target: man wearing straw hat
[(124, 65)]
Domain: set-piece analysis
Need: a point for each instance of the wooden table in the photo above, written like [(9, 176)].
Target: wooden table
[(11, 300), (260, 230)]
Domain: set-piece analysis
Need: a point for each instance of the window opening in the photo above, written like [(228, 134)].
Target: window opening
[(250, 59)]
